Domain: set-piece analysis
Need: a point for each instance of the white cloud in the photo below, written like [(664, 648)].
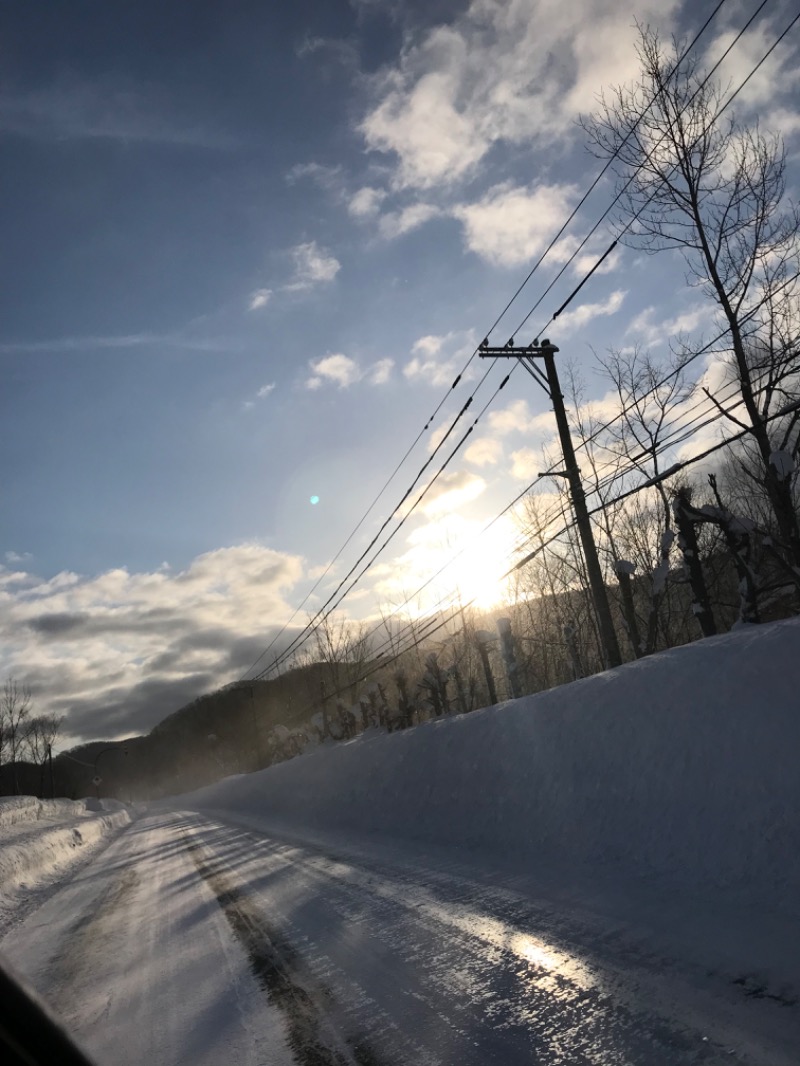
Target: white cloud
[(313, 265), (380, 372), (117, 651), (779, 75), (366, 202), (451, 491), (396, 223), (418, 120), (326, 177), (516, 417), (571, 321), (336, 369), (17, 557), (262, 394), (785, 120), (647, 329), (437, 436), (259, 299), (525, 464), (509, 225), (484, 451), (582, 264), (342, 371), (436, 360), (500, 72)]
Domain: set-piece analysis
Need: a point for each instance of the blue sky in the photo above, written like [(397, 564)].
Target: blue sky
[(246, 249)]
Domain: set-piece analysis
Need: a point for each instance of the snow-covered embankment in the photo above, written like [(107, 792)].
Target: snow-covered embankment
[(681, 767), (40, 838)]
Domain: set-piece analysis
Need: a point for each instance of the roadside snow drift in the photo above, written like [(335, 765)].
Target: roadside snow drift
[(681, 767), (41, 837)]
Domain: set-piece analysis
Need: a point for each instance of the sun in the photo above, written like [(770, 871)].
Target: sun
[(479, 579), (474, 562), (451, 562)]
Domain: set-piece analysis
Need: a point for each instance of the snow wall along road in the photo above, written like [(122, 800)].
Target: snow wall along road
[(682, 766)]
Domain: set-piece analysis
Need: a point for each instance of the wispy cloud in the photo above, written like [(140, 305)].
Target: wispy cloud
[(17, 557), (396, 223), (106, 109), (485, 451), (571, 321), (340, 50), (380, 372), (366, 202), (313, 265), (327, 177), (647, 328), (436, 360), (261, 394), (451, 491), (259, 299), (525, 464), (122, 341)]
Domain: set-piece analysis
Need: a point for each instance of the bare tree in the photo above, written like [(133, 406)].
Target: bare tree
[(694, 180), (651, 398), (15, 712), (40, 737), (342, 647)]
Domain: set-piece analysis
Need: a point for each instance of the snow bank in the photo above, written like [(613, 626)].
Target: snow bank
[(681, 767), (16, 809), (41, 837)]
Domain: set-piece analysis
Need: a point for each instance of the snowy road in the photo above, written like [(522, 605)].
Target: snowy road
[(189, 940)]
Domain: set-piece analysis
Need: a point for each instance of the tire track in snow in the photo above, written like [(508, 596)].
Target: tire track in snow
[(90, 935), (307, 1005), (533, 997)]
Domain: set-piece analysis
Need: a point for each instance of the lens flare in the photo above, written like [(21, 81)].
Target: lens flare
[(314, 499)]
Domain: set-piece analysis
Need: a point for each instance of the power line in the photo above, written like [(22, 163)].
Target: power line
[(327, 609), (562, 509), (727, 103), (679, 435), (650, 483), (380, 663), (496, 322), (609, 162), (627, 184)]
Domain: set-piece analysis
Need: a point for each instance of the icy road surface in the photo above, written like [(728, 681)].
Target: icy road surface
[(189, 940)]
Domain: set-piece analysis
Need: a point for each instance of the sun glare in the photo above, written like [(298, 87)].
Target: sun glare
[(472, 567), (479, 579), (476, 575)]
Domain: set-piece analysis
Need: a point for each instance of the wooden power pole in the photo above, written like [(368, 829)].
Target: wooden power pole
[(551, 385)]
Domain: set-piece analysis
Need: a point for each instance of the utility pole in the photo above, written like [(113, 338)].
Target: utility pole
[(52, 778), (551, 385), (482, 638)]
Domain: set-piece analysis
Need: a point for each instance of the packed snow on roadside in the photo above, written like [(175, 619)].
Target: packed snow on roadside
[(43, 838), (677, 773)]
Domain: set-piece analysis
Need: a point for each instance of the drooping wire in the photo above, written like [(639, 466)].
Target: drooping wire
[(475, 352)]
